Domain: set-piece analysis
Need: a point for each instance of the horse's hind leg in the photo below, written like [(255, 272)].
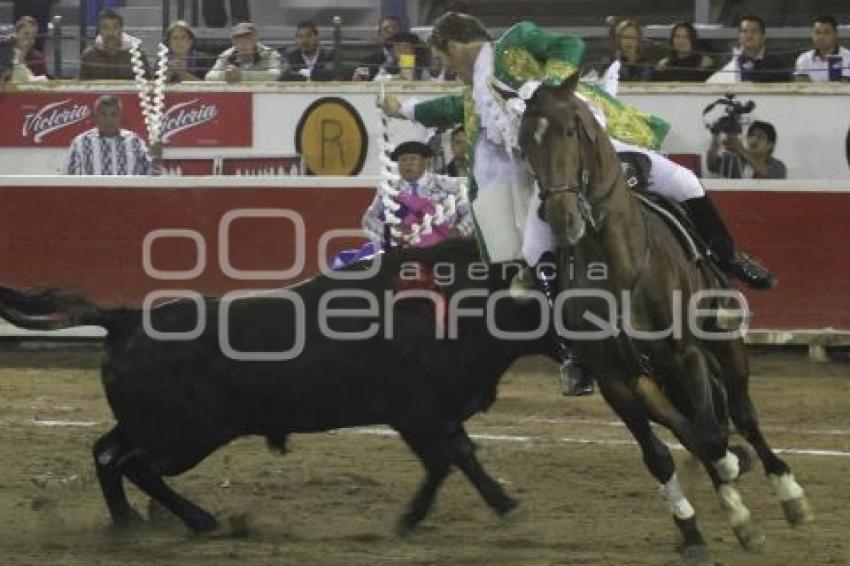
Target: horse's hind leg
[(108, 451), (628, 406), (463, 456), (733, 357)]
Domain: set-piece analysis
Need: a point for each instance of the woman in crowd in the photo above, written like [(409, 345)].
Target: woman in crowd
[(26, 32), (630, 62), (684, 63), (184, 62)]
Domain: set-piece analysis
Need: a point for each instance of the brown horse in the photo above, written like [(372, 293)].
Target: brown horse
[(649, 364)]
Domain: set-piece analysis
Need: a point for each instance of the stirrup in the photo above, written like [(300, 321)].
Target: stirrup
[(575, 381), (750, 272)]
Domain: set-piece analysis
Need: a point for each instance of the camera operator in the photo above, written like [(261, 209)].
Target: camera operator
[(751, 161)]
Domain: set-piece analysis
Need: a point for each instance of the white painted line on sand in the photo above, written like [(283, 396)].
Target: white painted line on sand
[(489, 437)]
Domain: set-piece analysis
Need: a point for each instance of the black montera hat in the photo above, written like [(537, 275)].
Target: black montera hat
[(416, 147)]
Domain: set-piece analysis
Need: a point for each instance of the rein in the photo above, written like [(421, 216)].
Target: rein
[(582, 188), (587, 206)]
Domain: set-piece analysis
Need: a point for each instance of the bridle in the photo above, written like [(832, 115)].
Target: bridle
[(582, 187), (587, 206)]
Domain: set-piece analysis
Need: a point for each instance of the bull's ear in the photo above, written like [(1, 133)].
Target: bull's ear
[(568, 86)]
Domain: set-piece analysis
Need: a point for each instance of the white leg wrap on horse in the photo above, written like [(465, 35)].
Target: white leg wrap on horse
[(736, 511), (676, 500), (786, 487), (727, 467)]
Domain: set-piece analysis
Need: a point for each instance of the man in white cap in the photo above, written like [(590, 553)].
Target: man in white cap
[(248, 60)]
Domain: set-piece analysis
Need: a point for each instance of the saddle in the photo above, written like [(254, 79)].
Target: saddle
[(636, 169)]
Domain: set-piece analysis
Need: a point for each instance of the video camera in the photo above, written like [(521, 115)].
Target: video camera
[(730, 122)]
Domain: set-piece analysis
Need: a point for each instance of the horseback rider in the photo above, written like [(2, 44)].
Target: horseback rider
[(501, 187)]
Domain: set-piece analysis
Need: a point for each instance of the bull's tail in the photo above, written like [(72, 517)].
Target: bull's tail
[(54, 310)]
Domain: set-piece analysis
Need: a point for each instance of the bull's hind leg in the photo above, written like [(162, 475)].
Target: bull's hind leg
[(146, 479), (463, 456), (733, 357), (116, 457), (434, 452), (656, 456), (108, 452)]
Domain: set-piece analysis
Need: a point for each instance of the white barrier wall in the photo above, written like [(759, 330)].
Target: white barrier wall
[(812, 120)]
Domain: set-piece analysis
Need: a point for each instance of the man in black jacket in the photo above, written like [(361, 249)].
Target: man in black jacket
[(307, 61), (388, 26), (749, 60)]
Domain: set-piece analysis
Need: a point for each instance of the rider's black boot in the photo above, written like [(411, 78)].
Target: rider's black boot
[(575, 380), (712, 228)]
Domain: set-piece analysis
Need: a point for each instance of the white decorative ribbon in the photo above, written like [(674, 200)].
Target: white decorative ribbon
[(443, 211), (151, 94)]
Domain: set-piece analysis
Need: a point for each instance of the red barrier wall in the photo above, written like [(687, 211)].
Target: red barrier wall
[(90, 238), (804, 237)]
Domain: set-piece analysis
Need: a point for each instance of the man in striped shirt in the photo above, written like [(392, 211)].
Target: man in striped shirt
[(109, 150)]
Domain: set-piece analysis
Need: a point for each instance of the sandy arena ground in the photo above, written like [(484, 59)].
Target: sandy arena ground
[(334, 498)]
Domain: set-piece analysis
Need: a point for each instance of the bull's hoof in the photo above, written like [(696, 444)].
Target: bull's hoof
[(406, 525), (513, 514), (200, 522), (750, 536), (696, 555), (797, 511), (128, 520)]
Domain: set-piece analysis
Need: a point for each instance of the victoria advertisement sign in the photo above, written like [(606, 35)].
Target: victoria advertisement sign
[(211, 119)]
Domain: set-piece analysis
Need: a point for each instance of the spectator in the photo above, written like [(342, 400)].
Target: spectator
[(184, 63), (459, 165), (216, 16), (630, 62), (7, 55), (109, 57), (828, 61), (749, 61), (388, 26), (109, 150), (403, 62), (40, 11), (248, 60), (26, 32), (12, 68), (419, 192), (684, 63), (307, 61), (755, 161)]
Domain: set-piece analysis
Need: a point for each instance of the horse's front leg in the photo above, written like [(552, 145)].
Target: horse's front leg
[(628, 405)]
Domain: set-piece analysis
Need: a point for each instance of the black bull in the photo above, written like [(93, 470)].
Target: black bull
[(176, 402)]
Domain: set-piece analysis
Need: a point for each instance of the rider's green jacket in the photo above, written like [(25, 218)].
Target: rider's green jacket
[(526, 52)]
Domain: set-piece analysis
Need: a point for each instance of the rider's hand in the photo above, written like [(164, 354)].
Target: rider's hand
[(391, 107)]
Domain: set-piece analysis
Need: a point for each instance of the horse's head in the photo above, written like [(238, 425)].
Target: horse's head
[(557, 136)]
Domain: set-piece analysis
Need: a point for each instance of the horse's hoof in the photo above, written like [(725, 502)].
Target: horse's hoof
[(696, 555), (750, 536), (797, 511)]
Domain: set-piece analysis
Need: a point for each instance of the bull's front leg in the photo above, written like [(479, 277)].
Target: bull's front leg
[(434, 452), (463, 456)]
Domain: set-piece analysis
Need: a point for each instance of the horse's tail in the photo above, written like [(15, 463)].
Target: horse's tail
[(49, 309)]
